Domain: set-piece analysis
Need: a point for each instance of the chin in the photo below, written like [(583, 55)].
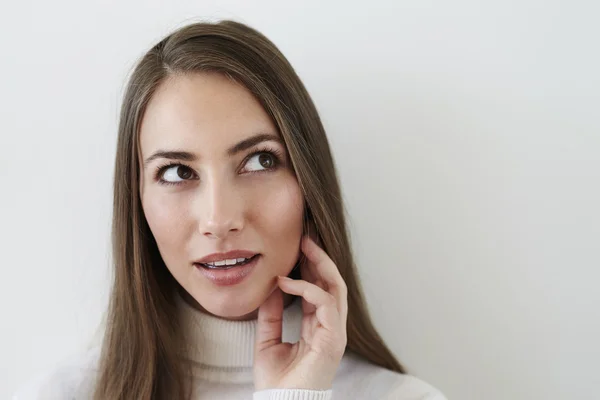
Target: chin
[(234, 305)]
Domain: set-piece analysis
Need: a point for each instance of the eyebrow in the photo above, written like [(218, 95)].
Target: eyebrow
[(233, 150)]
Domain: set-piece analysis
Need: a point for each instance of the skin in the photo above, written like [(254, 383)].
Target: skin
[(223, 202), (242, 201)]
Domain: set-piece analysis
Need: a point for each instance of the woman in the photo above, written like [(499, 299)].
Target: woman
[(234, 276)]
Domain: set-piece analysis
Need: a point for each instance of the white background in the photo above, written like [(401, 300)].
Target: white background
[(467, 137)]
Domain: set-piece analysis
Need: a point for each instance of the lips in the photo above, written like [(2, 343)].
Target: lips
[(230, 255), (228, 263), (228, 275)]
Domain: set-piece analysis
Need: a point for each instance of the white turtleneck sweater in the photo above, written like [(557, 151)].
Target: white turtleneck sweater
[(221, 355)]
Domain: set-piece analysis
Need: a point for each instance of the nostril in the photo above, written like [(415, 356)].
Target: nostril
[(220, 229)]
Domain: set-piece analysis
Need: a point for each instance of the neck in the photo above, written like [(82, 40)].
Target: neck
[(218, 349)]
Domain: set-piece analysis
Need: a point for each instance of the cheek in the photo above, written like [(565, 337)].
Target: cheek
[(167, 222), (285, 211), (278, 219)]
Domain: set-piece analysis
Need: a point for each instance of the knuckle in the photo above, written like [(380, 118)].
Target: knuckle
[(334, 350), (339, 349), (330, 299), (344, 289)]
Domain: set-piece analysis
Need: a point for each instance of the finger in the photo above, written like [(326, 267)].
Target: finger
[(325, 267), (339, 293), (270, 320), (311, 231), (322, 265), (308, 275), (326, 305)]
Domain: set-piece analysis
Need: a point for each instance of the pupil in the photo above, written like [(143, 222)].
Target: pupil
[(183, 175), (265, 160)]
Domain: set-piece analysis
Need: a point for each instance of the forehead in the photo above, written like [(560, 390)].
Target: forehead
[(207, 111)]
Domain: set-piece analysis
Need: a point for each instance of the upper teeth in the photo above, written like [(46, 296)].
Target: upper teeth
[(231, 261)]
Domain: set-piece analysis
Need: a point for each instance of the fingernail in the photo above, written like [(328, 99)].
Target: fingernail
[(284, 278)]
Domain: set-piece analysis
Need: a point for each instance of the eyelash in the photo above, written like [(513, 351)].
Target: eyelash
[(275, 153)]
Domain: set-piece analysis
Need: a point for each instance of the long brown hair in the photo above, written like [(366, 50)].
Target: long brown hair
[(142, 341)]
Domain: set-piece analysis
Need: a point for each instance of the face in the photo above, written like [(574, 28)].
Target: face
[(226, 185)]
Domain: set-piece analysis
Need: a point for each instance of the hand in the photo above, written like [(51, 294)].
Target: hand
[(312, 362)]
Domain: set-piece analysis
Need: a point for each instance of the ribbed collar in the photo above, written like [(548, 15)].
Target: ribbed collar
[(223, 350)]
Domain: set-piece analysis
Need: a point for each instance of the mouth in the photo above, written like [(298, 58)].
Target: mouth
[(228, 272), (227, 263)]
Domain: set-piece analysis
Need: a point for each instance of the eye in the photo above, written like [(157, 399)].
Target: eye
[(261, 161), (174, 174)]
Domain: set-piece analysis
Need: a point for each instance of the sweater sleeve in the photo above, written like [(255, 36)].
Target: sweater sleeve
[(435, 396), (293, 394), (414, 389), (400, 394)]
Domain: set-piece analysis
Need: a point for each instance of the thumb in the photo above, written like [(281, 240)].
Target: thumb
[(270, 320)]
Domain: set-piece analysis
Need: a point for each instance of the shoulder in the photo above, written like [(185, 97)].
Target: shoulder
[(363, 380), (73, 378)]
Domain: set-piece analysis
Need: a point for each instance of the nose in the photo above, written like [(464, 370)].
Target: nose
[(222, 211)]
